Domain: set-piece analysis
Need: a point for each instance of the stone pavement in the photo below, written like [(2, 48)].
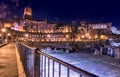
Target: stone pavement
[(8, 61), (100, 65)]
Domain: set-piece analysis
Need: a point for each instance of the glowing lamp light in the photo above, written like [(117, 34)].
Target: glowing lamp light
[(26, 35), (102, 36), (82, 37), (8, 34), (3, 30), (67, 36), (29, 13), (42, 39), (33, 40), (106, 38), (96, 36), (48, 36)]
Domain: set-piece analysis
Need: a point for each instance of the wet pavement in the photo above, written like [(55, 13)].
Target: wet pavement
[(8, 62), (100, 65)]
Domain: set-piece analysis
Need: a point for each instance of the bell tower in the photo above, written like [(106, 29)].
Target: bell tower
[(27, 13)]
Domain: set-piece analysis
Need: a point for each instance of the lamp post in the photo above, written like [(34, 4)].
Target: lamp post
[(3, 30), (3, 35), (8, 37)]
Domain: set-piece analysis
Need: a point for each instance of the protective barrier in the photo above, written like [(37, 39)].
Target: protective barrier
[(40, 64)]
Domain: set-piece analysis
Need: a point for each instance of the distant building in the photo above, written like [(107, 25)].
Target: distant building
[(105, 28), (27, 13), (17, 27), (42, 30), (7, 24), (37, 26)]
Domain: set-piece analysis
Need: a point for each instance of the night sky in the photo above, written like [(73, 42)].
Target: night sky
[(64, 10)]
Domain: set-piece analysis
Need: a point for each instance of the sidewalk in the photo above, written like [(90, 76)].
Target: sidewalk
[(8, 61), (10, 64)]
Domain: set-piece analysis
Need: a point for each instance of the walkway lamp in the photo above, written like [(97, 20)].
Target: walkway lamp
[(8, 37), (3, 30), (102, 37)]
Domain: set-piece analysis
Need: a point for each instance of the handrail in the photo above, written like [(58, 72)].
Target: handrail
[(1, 45), (33, 54), (32, 48), (74, 68)]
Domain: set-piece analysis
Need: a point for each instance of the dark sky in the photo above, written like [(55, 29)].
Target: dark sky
[(65, 10)]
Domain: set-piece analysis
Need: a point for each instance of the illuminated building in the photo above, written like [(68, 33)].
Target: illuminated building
[(42, 30), (105, 28), (27, 13)]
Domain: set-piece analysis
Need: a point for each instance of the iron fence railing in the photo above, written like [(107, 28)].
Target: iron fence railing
[(1, 45), (40, 64)]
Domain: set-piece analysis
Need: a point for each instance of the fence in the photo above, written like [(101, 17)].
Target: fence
[(1, 45), (40, 64)]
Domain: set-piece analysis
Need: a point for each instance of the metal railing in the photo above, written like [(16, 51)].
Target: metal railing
[(40, 64), (1, 45)]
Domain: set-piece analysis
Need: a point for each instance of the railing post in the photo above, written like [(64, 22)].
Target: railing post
[(36, 64)]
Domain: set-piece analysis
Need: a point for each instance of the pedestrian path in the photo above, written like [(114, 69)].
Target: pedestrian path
[(8, 61)]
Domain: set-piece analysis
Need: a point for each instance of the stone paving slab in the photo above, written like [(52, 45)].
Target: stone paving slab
[(8, 62), (100, 65)]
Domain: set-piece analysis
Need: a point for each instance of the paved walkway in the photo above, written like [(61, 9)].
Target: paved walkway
[(8, 61)]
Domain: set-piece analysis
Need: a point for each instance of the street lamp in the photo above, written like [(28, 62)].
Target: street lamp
[(8, 37), (102, 37), (3, 30)]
